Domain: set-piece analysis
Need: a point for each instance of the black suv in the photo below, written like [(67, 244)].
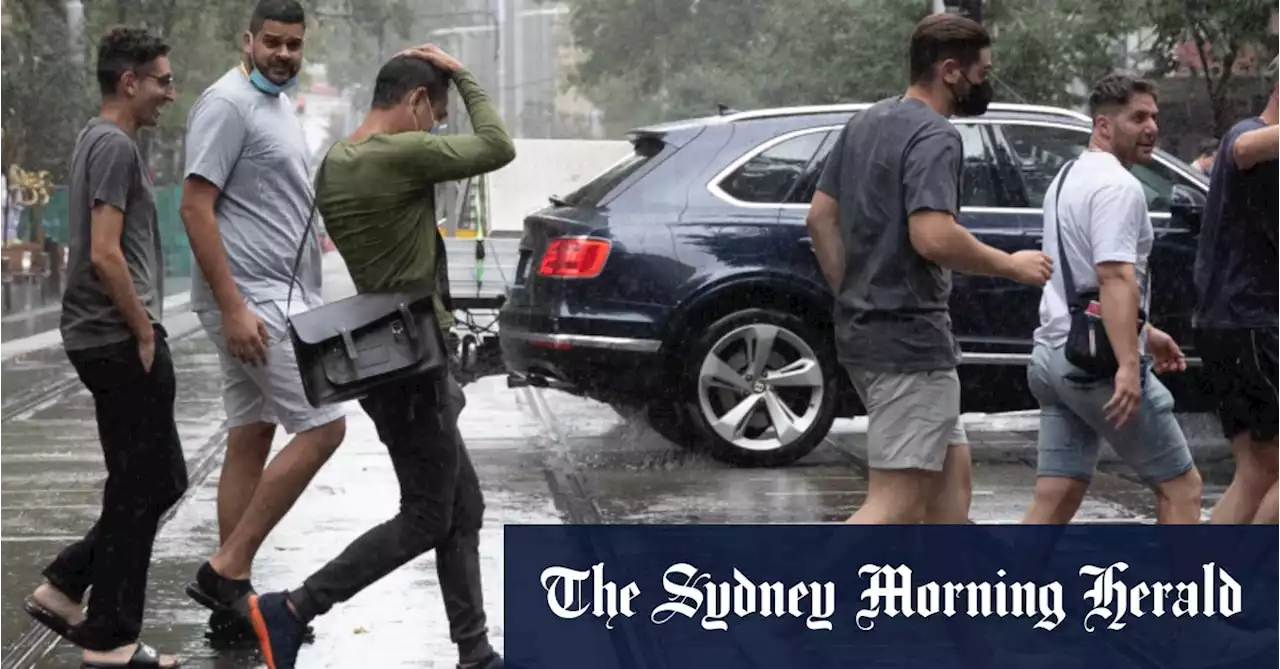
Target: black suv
[(682, 282)]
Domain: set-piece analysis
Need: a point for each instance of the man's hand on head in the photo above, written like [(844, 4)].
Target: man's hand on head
[(434, 55)]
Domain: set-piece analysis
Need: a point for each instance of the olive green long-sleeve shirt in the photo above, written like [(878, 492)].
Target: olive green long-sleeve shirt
[(377, 195)]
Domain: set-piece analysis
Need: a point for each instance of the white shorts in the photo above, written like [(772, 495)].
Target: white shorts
[(270, 393)]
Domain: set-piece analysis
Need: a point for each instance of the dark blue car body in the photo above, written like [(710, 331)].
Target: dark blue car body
[(706, 220)]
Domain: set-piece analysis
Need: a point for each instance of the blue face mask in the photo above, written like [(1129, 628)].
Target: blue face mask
[(262, 83)]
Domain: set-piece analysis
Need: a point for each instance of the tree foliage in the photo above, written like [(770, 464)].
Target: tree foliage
[(1213, 40), (654, 60), (44, 91), (358, 36)]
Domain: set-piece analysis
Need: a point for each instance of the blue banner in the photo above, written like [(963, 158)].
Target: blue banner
[(812, 596)]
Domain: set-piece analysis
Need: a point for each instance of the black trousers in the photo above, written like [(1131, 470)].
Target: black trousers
[(441, 508), (146, 475)]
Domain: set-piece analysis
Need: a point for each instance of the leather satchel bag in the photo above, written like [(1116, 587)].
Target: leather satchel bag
[(348, 348), (1088, 346)]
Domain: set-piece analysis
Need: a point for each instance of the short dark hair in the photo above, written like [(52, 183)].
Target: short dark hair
[(405, 73), (124, 49), (1117, 90), (1208, 146), (941, 36), (284, 11)]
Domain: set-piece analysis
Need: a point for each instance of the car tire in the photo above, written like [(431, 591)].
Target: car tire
[(736, 398), (672, 422)]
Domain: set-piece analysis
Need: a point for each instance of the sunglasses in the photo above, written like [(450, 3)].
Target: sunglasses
[(165, 80)]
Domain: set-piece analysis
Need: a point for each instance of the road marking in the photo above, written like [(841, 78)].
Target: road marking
[(48, 537), (52, 506), (54, 491), (802, 493)]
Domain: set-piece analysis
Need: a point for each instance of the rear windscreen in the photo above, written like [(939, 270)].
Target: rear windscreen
[(595, 190)]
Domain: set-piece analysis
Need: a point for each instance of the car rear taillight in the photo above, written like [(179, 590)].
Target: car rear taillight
[(574, 258)]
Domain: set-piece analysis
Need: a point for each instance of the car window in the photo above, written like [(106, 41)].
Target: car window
[(977, 186), (1158, 181), (590, 194), (808, 182), (1039, 152), (769, 176)]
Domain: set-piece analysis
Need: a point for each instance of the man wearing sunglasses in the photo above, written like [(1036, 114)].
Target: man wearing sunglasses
[(111, 311)]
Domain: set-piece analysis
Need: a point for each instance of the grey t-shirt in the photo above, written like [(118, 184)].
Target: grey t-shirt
[(107, 167), (252, 147), (896, 158)]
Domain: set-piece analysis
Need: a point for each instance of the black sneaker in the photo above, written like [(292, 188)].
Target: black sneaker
[(230, 629), (279, 632)]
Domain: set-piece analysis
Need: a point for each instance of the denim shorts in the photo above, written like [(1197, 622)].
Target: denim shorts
[(1073, 422)]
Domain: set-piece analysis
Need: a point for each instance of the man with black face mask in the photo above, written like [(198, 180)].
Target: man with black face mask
[(885, 229), (245, 203)]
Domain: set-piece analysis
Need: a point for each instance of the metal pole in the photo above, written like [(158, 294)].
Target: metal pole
[(503, 49), (522, 73), (75, 29)]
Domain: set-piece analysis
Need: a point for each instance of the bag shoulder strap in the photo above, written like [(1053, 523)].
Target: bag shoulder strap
[(306, 232), (1062, 251), (442, 272)]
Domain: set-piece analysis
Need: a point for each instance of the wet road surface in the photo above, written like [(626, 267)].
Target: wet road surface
[(542, 456), (27, 323)]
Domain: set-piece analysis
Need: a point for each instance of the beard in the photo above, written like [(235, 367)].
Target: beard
[(275, 69)]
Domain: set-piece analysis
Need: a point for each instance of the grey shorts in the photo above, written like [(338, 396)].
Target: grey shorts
[(912, 418), (270, 393), (1073, 423)]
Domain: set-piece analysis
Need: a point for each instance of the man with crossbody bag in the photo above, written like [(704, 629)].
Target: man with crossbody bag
[(1087, 370), (375, 191)]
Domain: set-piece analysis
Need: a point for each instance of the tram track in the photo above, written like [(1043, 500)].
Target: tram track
[(578, 507), (37, 399)]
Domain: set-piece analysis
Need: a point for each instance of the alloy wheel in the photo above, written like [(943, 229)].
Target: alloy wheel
[(760, 387)]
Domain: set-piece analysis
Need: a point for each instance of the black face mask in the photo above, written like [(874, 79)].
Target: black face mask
[(975, 102)]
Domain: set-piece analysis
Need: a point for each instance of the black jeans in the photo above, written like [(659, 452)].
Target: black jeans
[(441, 508), (146, 474)]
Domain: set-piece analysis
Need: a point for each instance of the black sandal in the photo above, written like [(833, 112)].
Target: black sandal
[(145, 657), (59, 625)]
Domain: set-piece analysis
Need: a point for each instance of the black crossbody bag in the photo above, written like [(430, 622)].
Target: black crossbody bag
[(348, 348), (1088, 346)]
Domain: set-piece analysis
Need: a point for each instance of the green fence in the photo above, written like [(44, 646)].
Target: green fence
[(173, 237)]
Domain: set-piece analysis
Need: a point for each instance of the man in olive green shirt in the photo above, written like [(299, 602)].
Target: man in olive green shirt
[(375, 191)]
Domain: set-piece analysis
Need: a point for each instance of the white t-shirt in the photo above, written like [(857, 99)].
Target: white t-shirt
[(1104, 219)]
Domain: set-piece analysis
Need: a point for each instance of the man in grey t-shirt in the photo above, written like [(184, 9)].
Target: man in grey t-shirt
[(109, 168), (246, 202), (885, 229), (112, 335)]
